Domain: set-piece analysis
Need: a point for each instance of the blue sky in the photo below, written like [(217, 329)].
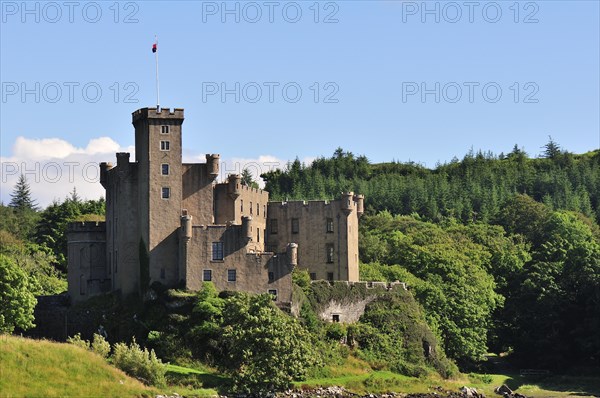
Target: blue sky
[(494, 74)]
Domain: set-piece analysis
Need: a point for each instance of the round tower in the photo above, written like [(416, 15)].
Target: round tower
[(186, 227), (234, 189), (247, 224), (292, 253), (347, 202), (212, 165), (360, 204)]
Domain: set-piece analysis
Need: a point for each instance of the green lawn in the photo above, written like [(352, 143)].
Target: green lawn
[(195, 382)]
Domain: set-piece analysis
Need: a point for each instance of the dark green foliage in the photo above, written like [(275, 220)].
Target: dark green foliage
[(21, 197), (144, 266), (207, 318), (247, 179), (37, 262), (473, 188), (264, 349), (16, 300), (52, 226), (394, 334), (447, 270), (552, 311)]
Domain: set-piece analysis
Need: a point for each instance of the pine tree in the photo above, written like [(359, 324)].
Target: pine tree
[(248, 179), (21, 196), (551, 149)]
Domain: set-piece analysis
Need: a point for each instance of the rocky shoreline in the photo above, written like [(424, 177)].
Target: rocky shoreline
[(341, 392)]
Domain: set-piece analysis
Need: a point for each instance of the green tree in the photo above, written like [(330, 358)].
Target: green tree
[(264, 349), (16, 301), (207, 317), (248, 179), (551, 149), (21, 197)]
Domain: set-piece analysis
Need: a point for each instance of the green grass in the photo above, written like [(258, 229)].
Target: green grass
[(354, 376), (198, 381), (40, 368)]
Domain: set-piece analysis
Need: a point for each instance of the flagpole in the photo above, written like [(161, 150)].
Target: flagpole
[(157, 81)]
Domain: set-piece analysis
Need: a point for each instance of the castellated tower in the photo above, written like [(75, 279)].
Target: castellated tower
[(158, 156)]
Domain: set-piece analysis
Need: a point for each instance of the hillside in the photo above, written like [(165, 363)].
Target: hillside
[(471, 189), (47, 369)]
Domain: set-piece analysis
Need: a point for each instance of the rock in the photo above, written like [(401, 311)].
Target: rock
[(503, 390), (469, 392)]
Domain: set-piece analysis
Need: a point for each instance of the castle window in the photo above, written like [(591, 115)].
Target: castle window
[(313, 276), (274, 227), (273, 292), (165, 146), (207, 275), (231, 275), (250, 207), (258, 234), (258, 209), (271, 277), (217, 251), (164, 169), (329, 251), (241, 205), (166, 192), (265, 211), (335, 318), (164, 129), (329, 225), (330, 276), (295, 225)]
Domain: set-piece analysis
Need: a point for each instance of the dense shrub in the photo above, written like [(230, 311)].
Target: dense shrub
[(100, 346), (79, 342), (139, 363)]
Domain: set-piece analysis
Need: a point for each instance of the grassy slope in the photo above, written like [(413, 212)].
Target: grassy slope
[(34, 368), (39, 368)]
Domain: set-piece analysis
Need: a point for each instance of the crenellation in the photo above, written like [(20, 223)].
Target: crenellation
[(86, 226)]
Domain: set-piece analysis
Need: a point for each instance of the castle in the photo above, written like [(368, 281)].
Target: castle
[(171, 222)]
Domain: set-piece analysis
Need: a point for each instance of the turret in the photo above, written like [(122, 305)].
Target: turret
[(247, 224), (104, 167), (234, 189), (212, 165), (292, 253), (348, 202), (360, 204), (123, 160), (186, 227)]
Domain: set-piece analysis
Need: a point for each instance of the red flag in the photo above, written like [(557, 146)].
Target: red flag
[(154, 48)]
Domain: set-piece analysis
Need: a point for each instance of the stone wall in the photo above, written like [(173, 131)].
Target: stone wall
[(315, 237), (252, 269)]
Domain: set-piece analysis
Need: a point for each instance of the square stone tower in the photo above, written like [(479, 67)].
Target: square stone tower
[(158, 155)]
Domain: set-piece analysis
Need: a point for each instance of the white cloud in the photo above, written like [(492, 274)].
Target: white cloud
[(53, 167)]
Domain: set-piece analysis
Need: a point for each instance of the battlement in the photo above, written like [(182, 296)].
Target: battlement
[(251, 189), (86, 226), (153, 113), (308, 203), (368, 285)]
